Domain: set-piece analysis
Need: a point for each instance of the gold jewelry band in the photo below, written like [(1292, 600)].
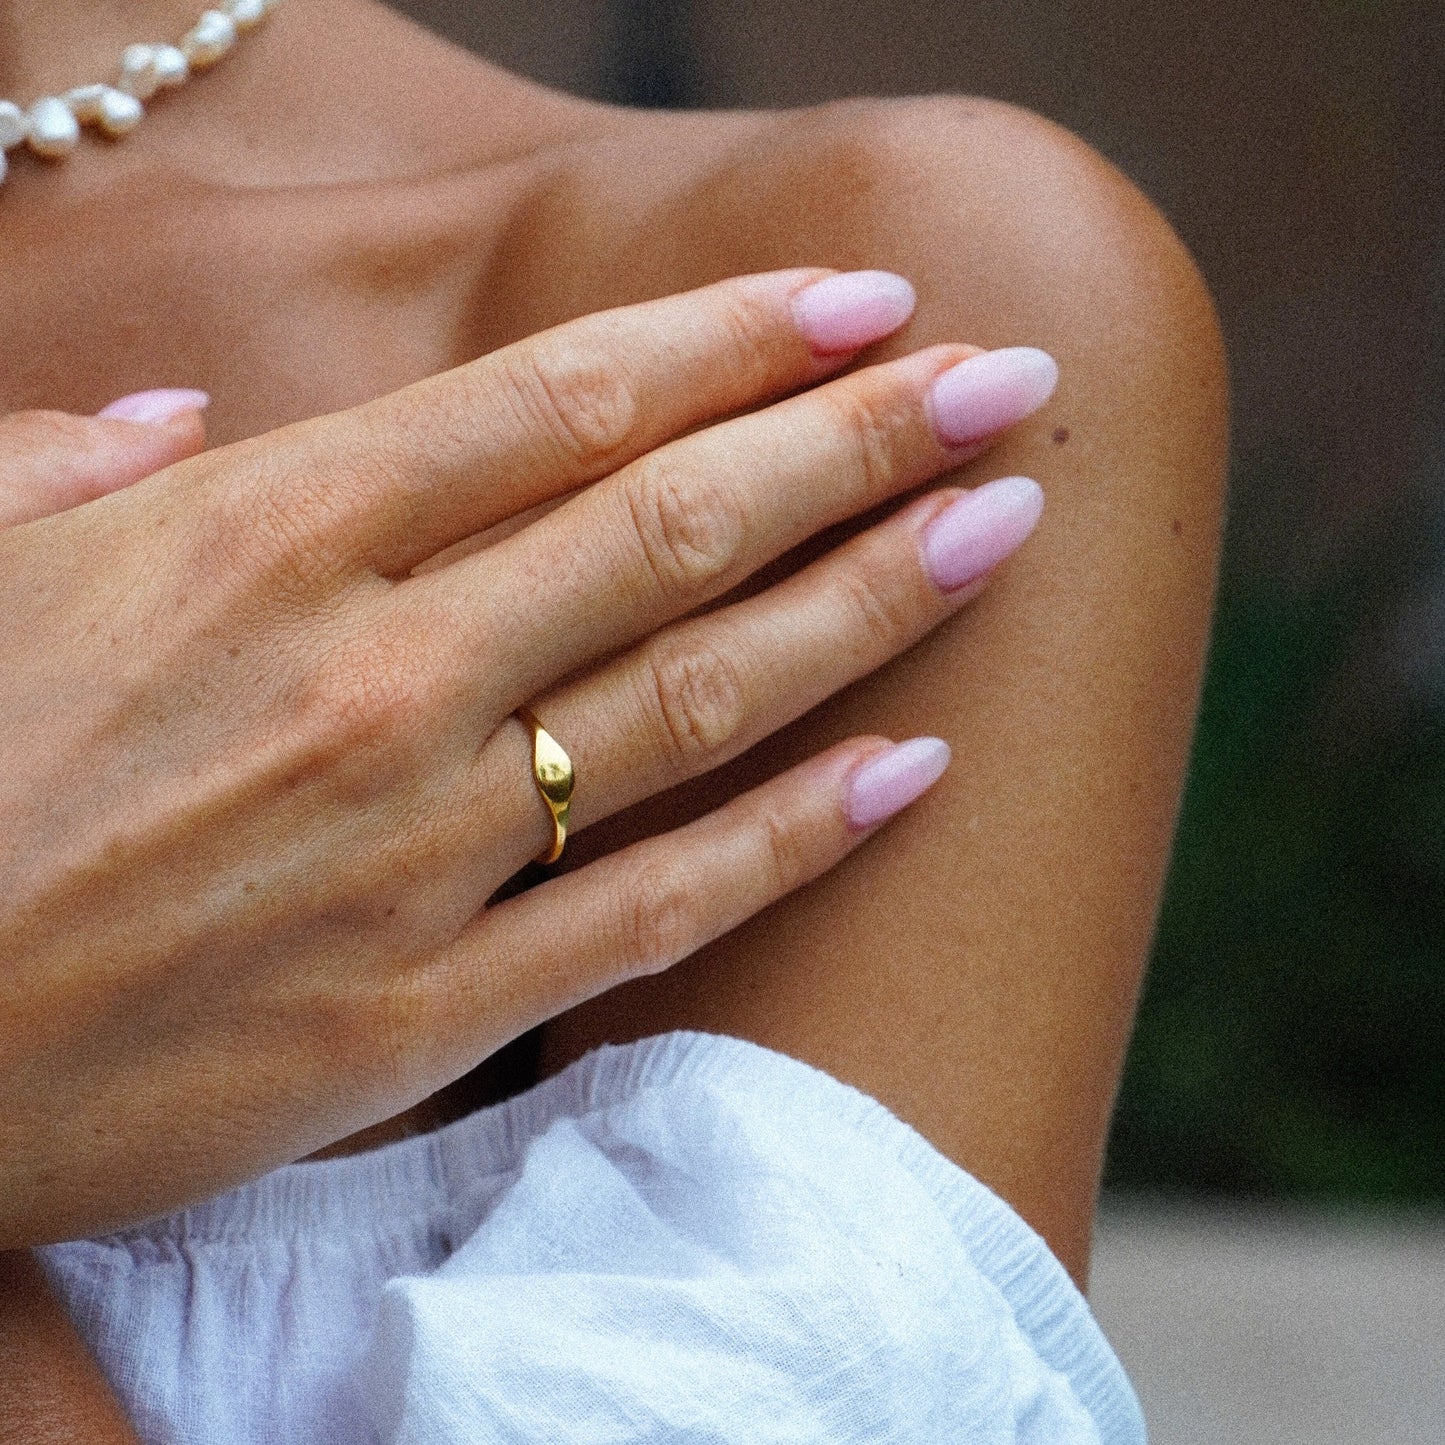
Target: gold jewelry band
[(552, 772)]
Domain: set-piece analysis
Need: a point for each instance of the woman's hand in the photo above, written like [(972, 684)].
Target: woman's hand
[(51, 461), (259, 774)]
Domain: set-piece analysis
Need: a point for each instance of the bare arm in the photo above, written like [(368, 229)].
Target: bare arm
[(978, 970), (50, 1388)]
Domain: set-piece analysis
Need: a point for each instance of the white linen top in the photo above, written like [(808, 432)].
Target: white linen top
[(690, 1239)]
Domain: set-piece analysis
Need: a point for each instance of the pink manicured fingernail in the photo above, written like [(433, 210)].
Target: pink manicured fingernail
[(979, 530), (848, 312), (989, 392), (888, 782), (156, 407)]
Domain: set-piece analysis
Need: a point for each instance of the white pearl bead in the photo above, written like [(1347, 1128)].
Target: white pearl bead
[(138, 71), (51, 127), (246, 13), (171, 66), (209, 39), (13, 125), (54, 130), (118, 113), (84, 101)]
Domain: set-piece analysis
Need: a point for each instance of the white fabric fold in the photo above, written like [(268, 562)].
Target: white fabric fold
[(690, 1239)]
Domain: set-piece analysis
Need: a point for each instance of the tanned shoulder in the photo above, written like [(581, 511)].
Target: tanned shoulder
[(1012, 229)]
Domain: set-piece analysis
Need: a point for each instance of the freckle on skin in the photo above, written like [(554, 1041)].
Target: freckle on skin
[(1177, 527), (1061, 435)]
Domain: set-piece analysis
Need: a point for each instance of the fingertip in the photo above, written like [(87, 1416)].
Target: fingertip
[(844, 313), (127, 452), (160, 427), (57, 460), (891, 779), (988, 393), (186, 432), (979, 529), (157, 407)]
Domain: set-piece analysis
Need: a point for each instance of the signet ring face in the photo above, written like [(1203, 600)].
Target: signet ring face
[(555, 779)]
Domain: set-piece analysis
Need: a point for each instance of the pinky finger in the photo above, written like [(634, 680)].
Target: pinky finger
[(642, 909)]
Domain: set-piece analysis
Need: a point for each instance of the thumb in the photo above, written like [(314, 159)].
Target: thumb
[(51, 461)]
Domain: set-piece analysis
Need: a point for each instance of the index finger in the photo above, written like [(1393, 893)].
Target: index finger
[(51, 461), (451, 456)]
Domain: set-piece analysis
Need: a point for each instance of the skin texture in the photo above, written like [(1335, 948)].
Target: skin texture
[(980, 973), (263, 773), (978, 970), (52, 1391), (103, 1019), (54, 1394)]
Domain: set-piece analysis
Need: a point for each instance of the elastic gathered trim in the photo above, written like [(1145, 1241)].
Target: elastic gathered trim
[(425, 1180)]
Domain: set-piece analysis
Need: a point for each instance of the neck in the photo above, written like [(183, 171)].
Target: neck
[(50, 45)]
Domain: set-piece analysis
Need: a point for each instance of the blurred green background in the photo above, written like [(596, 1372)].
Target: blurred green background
[(1290, 1041), (1292, 1037)]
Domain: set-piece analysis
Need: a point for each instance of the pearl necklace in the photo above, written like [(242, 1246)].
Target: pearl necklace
[(51, 126)]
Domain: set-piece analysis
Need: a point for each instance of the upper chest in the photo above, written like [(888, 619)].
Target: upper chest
[(290, 304)]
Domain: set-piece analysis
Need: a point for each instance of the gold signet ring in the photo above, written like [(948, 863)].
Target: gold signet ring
[(552, 770)]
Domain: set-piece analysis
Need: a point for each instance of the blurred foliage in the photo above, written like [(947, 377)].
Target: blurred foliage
[(1292, 1038)]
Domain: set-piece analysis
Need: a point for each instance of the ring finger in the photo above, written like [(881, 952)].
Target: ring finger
[(702, 691)]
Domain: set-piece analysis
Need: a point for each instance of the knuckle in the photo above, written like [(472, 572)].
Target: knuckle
[(690, 533), (659, 918), (870, 428), (781, 852), (701, 700), (275, 520), (281, 523), (366, 1033), (880, 615), (755, 337), (343, 1025), (402, 1020), (580, 395), (364, 700)]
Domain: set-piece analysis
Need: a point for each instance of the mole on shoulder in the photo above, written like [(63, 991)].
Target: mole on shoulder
[(1061, 435)]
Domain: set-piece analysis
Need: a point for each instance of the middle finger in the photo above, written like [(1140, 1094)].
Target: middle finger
[(690, 521)]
